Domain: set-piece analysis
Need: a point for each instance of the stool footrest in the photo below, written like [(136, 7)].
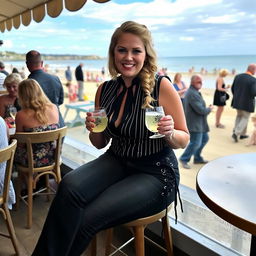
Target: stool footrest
[(156, 244), (121, 247)]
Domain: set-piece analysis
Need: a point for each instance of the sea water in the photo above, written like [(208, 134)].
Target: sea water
[(238, 63)]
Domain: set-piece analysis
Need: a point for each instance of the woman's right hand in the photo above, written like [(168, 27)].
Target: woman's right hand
[(98, 139), (89, 121)]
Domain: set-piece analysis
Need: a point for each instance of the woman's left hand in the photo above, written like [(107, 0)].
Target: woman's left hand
[(166, 125), (10, 122)]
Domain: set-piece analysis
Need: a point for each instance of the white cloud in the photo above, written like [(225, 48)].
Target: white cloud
[(116, 13), (225, 19), (187, 38), (8, 44), (194, 24)]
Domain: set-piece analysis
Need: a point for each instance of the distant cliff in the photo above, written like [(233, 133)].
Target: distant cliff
[(6, 55)]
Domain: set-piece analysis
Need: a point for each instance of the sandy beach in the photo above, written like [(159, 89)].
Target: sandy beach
[(220, 143)]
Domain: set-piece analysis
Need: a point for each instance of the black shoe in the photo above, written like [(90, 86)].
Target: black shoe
[(244, 137), (201, 162), (234, 136)]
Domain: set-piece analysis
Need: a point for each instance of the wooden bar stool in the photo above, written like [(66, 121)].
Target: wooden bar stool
[(137, 227)]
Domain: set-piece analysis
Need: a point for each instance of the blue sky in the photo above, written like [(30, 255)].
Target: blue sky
[(179, 28)]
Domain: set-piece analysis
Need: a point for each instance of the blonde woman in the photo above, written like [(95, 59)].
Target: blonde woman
[(137, 176), (220, 96), (179, 85), (37, 114), (10, 100)]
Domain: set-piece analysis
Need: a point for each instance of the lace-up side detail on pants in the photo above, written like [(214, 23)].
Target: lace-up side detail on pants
[(170, 179)]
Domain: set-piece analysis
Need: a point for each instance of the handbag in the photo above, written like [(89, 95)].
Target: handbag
[(224, 97)]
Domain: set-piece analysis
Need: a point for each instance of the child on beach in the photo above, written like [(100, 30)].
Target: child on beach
[(252, 140), (72, 92)]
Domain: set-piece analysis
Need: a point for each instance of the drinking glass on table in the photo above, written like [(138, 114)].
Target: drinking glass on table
[(13, 112), (101, 119), (152, 118)]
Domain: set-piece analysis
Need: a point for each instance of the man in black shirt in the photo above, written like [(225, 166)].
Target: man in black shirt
[(80, 80), (244, 92)]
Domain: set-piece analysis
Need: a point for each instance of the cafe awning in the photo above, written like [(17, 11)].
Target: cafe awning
[(13, 13)]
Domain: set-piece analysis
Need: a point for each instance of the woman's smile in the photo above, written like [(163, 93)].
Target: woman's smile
[(129, 56)]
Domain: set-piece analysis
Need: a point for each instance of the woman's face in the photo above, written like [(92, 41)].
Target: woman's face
[(178, 78), (129, 55), (12, 89)]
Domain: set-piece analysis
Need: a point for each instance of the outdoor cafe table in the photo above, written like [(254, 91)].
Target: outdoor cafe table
[(227, 186), (79, 107)]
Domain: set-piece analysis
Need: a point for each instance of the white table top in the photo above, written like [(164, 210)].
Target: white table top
[(227, 186)]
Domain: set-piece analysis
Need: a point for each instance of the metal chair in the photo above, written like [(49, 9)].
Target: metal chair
[(31, 173), (7, 154)]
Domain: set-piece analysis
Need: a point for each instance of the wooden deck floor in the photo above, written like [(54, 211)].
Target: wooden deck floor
[(27, 238)]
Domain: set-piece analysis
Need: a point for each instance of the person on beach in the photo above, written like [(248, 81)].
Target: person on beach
[(103, 72), (3, 74), (179, 85), (137, 176), (80, 81), (252, 140), (2, 69), (50, 84), (220, 96), (2, 77), (72, 92), (244, 92), (196, 115), (68, 74), (10, 100)]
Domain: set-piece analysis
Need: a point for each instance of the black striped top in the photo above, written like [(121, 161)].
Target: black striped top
[(131, 138)]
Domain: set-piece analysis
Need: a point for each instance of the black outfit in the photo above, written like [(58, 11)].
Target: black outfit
[(244, 92), (80, 80), (136, 177), (220, 97), (52, 87), (79, 73), (16, 104)]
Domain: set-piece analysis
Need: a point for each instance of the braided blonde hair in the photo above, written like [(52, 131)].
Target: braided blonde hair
[(147, 73)]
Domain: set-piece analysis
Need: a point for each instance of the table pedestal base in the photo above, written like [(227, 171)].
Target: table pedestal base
[(253, 246)]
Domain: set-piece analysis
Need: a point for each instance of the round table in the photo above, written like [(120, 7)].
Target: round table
[(227, 186)]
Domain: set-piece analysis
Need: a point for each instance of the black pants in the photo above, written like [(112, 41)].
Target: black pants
[(104, 193)]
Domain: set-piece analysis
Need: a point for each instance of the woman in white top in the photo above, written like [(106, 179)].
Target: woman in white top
[(4, 144)]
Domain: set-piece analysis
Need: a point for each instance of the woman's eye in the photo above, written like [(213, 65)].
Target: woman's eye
[(121, 50), (136, 51)]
